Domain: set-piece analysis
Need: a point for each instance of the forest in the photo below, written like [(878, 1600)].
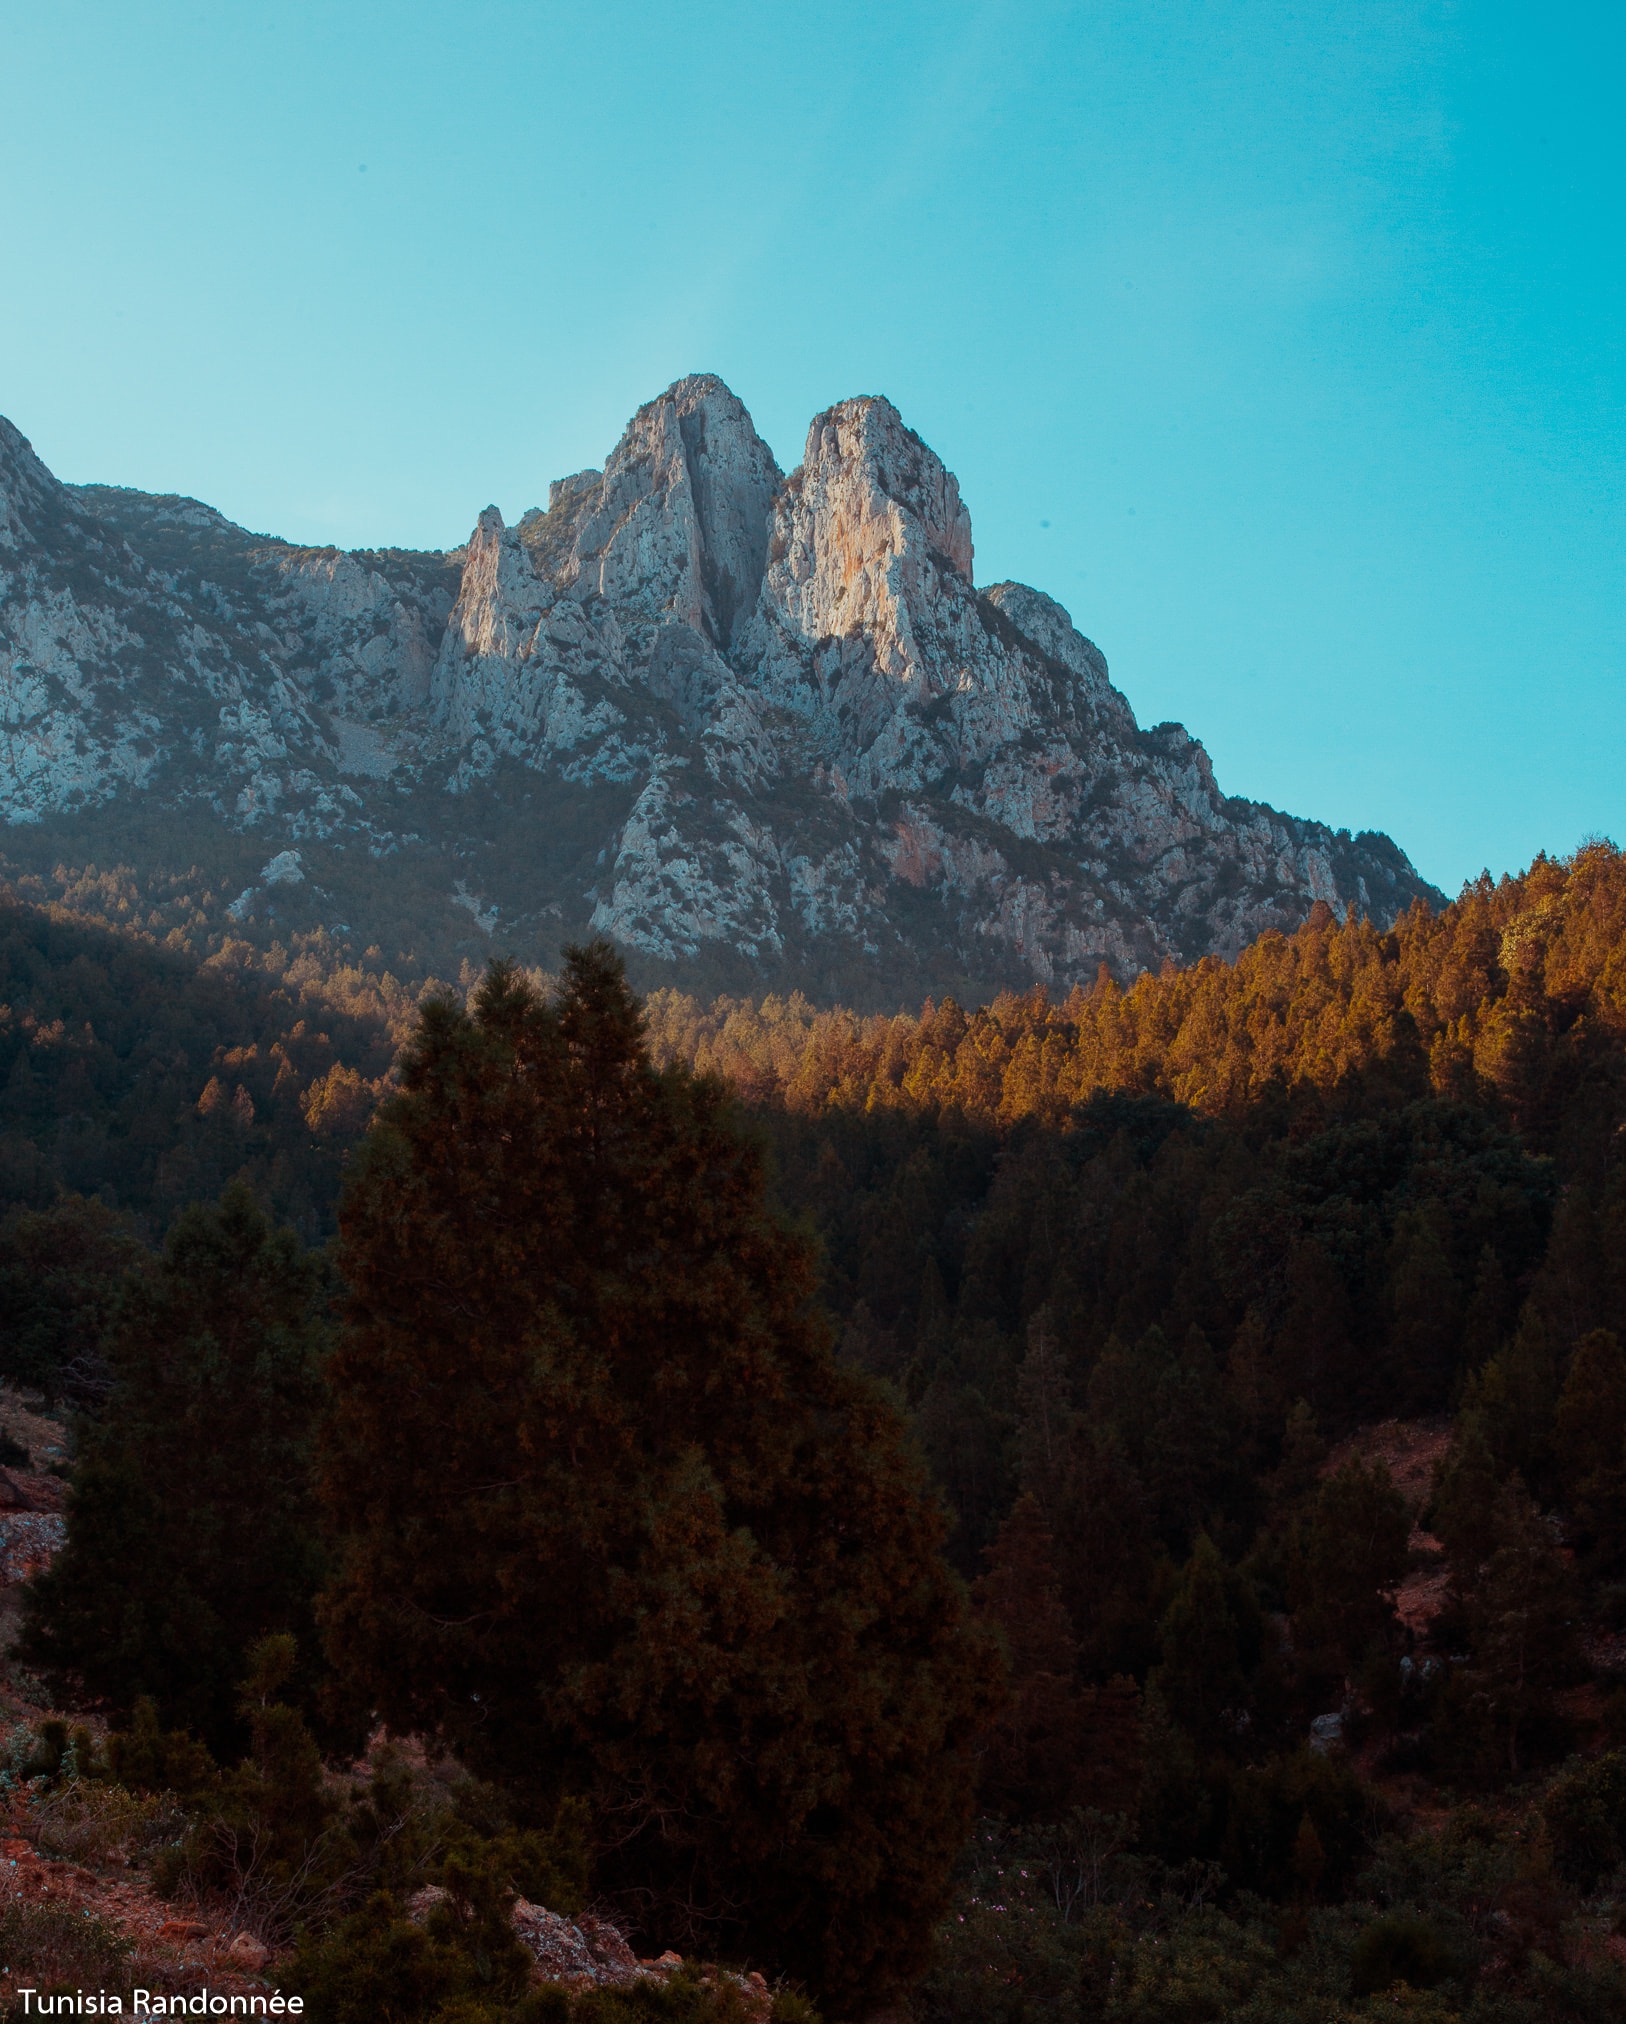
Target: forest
[(1106, 1506)]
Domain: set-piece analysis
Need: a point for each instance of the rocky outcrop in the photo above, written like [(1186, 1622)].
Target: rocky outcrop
[(121, 676), (591, 1952), (677, 527), (755, 727)]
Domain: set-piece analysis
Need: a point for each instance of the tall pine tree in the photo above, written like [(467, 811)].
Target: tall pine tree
[(191, 1524), (614, 1520)]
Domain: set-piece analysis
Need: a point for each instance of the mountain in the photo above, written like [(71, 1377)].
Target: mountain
[(761, 730)]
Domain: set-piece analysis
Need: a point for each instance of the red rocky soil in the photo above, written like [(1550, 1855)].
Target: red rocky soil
[(1411, 1450)]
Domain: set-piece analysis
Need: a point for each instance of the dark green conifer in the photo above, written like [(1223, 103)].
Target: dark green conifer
[(1032, 1756), (1464, 1502), (1210, 1637), (1589, 1440), (1347, 1561), (1045, 1417), (1521, 1614), (191, 1525), (1425, 1312), (615, 1521), (1515, 1397), (61, 1269), (1313, 1341), (1485, 1323), (1110, 1572)]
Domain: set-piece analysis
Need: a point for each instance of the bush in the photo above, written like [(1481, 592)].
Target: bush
[(685, 1999), (1400, 1947), (98, 1824), (152, 1759), (376, 1967), (1207, 1967), (1584, 1812), (1008, 1961), (463, 1965), (53, 1943)]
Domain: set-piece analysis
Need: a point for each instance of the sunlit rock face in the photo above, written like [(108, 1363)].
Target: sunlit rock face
[(756, 728), (117, 674), (678, 527)]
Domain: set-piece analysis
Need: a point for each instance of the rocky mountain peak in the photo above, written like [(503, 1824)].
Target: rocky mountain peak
[(755, 728), (31, 499), (866, 442), (496, 586), (1051, 629), (678, 526), (861, 534), (868, 626)]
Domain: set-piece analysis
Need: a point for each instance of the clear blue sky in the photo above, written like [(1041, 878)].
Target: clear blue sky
[(1282, 343)]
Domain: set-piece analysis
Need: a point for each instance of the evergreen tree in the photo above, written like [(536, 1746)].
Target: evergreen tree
[(191, 1526), (1112, 1764), (1297, 1475), (1521, 1618), (1589, 1439), (1313, 1341), (1253, 1385), (1109, 1568), (1485, 1324), (1425, 1322), (1168, 1414), (1348, 1560), (1571, 1289), (1464, 1504), (615, 1521), (1031, 1760), (1045, 1415), (1210, 1638), (1515, 1398), (61, 1270)]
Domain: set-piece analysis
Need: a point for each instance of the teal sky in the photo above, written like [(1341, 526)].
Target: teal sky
[(1282, 343)]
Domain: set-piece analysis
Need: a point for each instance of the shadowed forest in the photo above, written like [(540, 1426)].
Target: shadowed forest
[(1172, 1437)]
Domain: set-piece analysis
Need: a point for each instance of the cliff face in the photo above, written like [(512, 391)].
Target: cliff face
[(756, 728), (115, 673)]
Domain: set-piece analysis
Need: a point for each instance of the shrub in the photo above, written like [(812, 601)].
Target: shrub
[(1207, 1967), (150, 1758), (685, 1999), (1584, 1812), (376, 1967), (98, 1824), (1400, 1947), (53, 1943)]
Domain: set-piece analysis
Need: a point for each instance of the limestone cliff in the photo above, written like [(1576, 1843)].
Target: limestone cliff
[(757, 728)]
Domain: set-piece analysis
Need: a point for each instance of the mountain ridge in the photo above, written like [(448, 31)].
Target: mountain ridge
[(758, 728)]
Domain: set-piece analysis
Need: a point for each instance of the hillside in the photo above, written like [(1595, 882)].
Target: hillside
[(1262, 1326)]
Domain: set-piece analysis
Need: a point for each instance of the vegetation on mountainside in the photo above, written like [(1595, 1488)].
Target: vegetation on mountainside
[(133, 1072), (1152, 1272)]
